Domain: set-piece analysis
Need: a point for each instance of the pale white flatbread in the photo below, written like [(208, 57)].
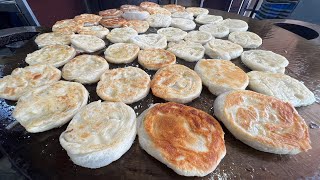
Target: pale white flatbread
[(198, 37), (154, 59), (188, 51), (55, 55), (99, 134), (159, 20), (121, 53), (52, 38), (261, 60), (186, 139), (121, 35), (208, 19), (235, 25), (172, 34), (87, 43), (150, 41), (185, 15), (98, 31), (245, 39), (85, 69), (184, 24), (197, 11), (176, 83), (135, 15), (128, 85), (282, 87), (23, 80), (221, 76), (222, 49), (50, 106), (138, 25), (216, 30), (263, 122)]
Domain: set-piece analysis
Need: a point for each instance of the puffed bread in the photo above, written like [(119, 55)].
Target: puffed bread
[(188, 51), (138, 25), (216, 30), (184, 14), (176, 83), (50, 106), (55, 55), (128, 85), (98, 31), (263, 122), (128, 7), (87, 43), (262, 60), (207, 19), (198, 37), (245, 39), (174, 8), (113, 22), (110, 13), (221, 76), (197, 10), (85, 69), (159, 10), (148, 5), (159, 20), (99, 134), (172, 34), (235, 25), (183, 24), (282, 87), (66, 25), (46, 39), (135, 15), (150, 41), (222, 49), (87, 19), (121, 35), (187, 140), (154, 59), (121, 53), (23, 80)]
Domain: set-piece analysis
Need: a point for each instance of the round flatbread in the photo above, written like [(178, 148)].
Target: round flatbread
[(150, 41), (245, 39), (172, 34), (187, 140), (221, 76), (185, 15), (208, 19), (50, 106), (23, 80), (235, 25), (128, 7), (98, 31), (113, 22), (85, 69), (176, 83), (154, 59), (174, 8), (198, 37), (121, 35), (138, 25), (87, 19), (148, 5), (53, 38), (184, 24), (128, 85), (216, 30), (261, 60), (87, 43), (55, 55), (222, 49), (159, 20), (110, 13), (282, 87), (197, 11), (99, 134), (159, 10), (188, 51), (66, 25), (263, 122), (135, 15), (121, 53)]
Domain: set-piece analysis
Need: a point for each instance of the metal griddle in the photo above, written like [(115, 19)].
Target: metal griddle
[(40, 156)]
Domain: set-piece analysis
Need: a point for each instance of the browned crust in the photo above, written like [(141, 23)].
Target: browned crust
[(147, 56), (127, 7), (146, 5), (110, 13), (87, 18), (113, 22), (174, 8), (164, 124)]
